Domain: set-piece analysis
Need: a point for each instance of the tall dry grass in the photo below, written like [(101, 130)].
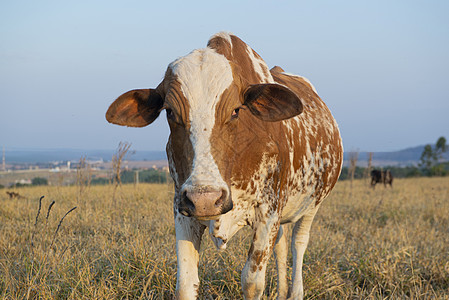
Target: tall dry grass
[(365, 244)]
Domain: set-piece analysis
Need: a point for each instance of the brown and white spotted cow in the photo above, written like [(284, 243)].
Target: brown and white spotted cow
[(248, 146)]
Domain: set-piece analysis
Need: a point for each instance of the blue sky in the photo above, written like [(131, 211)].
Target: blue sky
[(381, 66)]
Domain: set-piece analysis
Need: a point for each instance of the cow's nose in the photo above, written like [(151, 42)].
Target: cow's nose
[(202, 202)]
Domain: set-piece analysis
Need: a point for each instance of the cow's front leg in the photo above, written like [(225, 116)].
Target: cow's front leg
[(253, 274), (188, 241), (280, 254)]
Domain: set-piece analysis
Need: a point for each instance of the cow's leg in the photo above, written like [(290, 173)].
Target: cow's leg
[(253, 274), (300, 239), (280, 254), (188, 241)]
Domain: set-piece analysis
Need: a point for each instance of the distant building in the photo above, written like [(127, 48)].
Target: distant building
[(23, 181)]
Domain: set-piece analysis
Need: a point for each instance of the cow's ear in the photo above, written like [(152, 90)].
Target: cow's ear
[(136, 108), (272, 102)]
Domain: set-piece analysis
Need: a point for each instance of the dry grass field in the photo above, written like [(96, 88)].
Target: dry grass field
[(365, 244)]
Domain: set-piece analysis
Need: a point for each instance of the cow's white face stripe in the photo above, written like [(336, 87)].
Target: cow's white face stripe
[(204, 75)]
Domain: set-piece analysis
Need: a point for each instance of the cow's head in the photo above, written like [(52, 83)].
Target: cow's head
[(203, 94)]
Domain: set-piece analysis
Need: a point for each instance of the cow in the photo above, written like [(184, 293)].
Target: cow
[(381, 176), (248, 146)]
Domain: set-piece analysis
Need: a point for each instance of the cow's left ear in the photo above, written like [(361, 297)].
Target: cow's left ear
[(136, 108), (272, 102)]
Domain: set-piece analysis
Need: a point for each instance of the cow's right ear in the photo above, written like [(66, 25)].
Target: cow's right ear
[(136, 108), (272, 102)]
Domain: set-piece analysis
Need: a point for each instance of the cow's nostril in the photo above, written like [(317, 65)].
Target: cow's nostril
[(187, 201), (220, 200), (186, 206)]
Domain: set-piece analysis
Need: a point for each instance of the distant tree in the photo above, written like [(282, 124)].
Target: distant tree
[(346, 173), (101, 181), (430, 160), (427, 157), (149, 176), (39, 181), (410, 171), (440, 147)]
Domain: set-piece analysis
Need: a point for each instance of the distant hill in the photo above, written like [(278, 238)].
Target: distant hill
[(405, 157)]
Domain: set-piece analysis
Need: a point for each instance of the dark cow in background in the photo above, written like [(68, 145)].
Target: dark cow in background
[(381, 176)]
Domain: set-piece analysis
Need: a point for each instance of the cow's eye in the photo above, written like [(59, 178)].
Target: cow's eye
[(170, 114), (235, 114)]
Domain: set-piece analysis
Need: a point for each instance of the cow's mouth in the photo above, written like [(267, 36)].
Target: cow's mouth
[(207, 218)]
